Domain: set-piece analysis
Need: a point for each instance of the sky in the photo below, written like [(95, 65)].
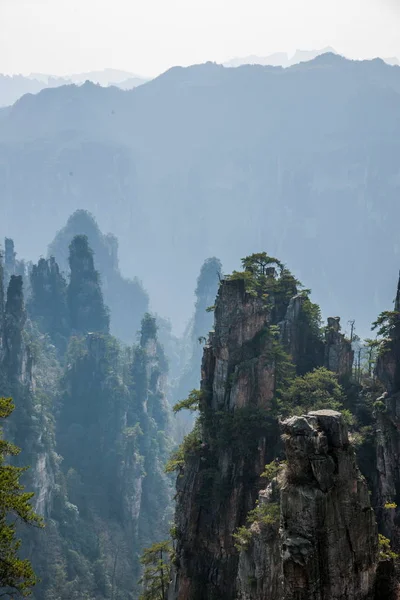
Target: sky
[(147, 37)]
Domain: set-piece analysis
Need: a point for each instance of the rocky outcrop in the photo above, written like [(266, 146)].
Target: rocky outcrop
[(311, 534), (9, 258), (237, 435), (387, 414), (15, 356), (339, 356), (325, 543), (220, 483), (328, 529), (387, 439), (260, 563)]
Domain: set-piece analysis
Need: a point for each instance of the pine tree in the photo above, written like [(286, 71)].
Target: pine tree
[(85, 298), (16, 575), (156, 575)]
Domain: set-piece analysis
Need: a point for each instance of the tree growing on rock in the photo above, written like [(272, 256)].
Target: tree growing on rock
[(156, 573)]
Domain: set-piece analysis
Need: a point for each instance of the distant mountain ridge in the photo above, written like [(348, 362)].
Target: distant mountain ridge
[(211, 161), (12, 87), (282, 59), (279, 59)]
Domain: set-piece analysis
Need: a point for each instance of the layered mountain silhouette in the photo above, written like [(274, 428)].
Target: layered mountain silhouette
[(279, 59), (12, 87), (302, 162)]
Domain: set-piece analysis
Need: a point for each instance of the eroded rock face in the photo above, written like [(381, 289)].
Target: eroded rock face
[(220, 484), (388, 466), (339, 355), (324, 544), (328, 529), (260, 564), (387, 416)]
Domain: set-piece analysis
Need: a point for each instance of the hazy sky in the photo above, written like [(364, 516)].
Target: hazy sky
[(148, 36)]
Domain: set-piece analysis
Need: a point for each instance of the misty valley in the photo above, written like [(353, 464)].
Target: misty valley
[(200, 336)]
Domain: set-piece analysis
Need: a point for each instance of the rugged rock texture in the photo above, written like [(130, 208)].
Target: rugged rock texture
[(387, 416), (260, 564), (329, 534), (388, 465), (339, 355), (326, 544), (238, 435), (303, 344), (220, 484)]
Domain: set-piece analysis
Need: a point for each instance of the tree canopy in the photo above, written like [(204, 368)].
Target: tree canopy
[(316, 390), (156, 573), (16, 574)]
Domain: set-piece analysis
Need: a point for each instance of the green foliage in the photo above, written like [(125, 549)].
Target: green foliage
[(309, 335), (258, 274), (156, 561), (260, 263), (188, 448), (386, 323), (372, 349), (273, 469), (390, 506), (148, 329), (388, 329), (267, 278), (104, 410), (312, 314), (16, 575), (282, 362), (265, 514), (385, 551), (363, 435), (380, 406), (190, 403), (313, 391)]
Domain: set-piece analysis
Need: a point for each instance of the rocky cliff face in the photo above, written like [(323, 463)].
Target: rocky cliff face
[(313, 535), (387, 417), (339, 355), (220, 483), (328, 529), (388, 466), (324, 543), (260, 561)]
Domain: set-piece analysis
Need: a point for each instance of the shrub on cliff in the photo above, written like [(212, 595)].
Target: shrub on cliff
[(313, 391)]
